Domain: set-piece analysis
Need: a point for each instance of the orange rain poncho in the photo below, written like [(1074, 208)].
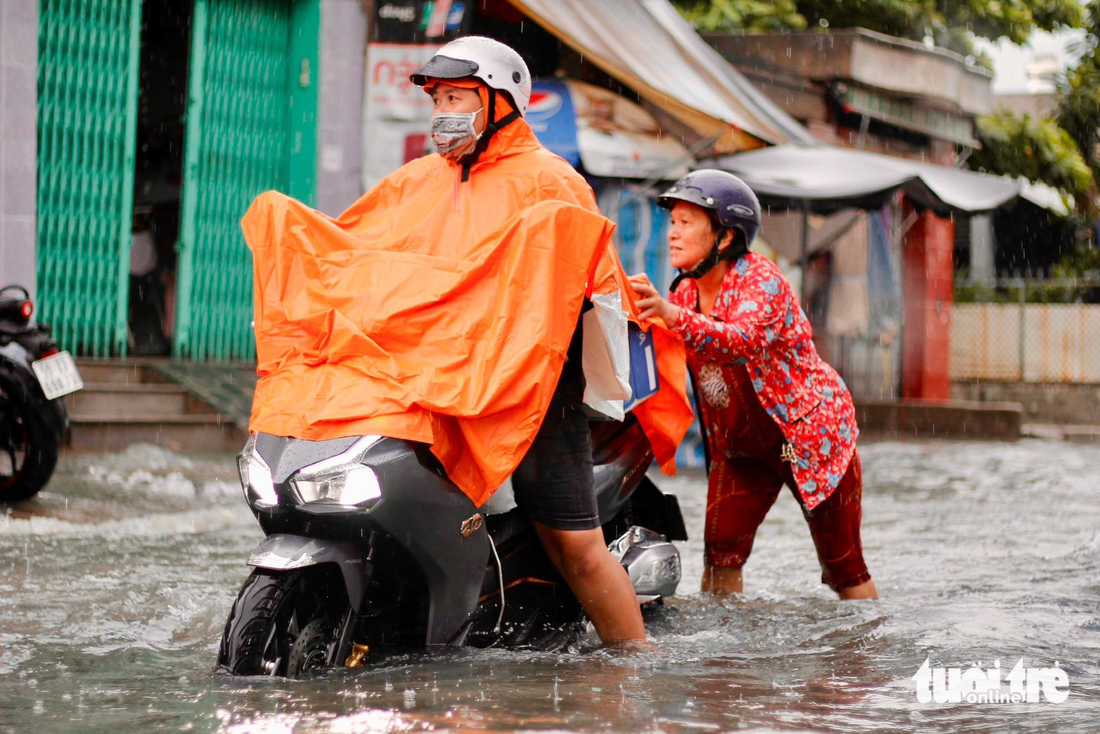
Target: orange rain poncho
[(440, 311)]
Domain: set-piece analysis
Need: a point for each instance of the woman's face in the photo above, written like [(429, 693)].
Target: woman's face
[(690, 235), (450, 100)]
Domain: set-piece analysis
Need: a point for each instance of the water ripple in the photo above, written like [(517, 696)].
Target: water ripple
[(115, 583)]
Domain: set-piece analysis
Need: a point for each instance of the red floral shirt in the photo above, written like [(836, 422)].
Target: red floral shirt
[(757, 322)]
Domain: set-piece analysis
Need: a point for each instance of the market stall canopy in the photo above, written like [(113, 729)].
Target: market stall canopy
[(647, 46), (602, 132), (1046, 197), (831, 178)]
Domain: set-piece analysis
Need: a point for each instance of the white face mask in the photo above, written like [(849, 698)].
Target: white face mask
[(451, 130)]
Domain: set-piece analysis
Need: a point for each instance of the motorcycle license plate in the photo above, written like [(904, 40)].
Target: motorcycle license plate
[(57, 375)]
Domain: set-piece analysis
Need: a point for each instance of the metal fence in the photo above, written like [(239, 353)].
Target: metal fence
[(1027, 331), (87, 101)]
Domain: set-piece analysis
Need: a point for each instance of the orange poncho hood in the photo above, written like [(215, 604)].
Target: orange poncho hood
[(440, 311)]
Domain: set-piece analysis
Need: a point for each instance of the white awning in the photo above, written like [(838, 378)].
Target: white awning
[(830, 178), (1045, 196), (647, 46)]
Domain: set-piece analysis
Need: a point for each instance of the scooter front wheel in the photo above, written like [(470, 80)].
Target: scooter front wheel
[(277, 621)]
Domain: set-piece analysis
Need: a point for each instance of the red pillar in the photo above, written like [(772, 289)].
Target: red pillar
[(928, 275)]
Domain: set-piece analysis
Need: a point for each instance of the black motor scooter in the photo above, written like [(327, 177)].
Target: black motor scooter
[(370, 549), (34, 375)]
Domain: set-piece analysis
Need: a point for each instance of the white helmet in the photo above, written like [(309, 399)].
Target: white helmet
[(495, 64)]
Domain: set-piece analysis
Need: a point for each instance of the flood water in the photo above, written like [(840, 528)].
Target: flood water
[(115, 584)]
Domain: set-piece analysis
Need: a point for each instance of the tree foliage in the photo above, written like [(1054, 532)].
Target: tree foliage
[(948, 23), (1064, 150), (1036, 149), (1078, 110), (743, 15)]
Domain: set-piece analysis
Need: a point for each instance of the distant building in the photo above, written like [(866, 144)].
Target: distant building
[(862, 89), (1042, 73), (1033, 105)]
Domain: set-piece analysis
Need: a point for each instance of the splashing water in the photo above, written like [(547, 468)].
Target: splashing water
[(115, 583)]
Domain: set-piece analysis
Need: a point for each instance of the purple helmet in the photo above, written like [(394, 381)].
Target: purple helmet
[(727, 198)]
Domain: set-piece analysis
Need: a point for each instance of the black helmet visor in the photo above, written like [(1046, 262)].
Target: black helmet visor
[(443, 67), (688, 193)]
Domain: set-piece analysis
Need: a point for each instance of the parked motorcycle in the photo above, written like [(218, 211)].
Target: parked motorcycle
[(34, 375), (370, 549)]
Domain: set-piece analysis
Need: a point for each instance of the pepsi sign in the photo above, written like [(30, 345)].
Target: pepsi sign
[(550, 114)]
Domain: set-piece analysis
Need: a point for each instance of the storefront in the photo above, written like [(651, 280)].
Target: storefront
[(158, 122)]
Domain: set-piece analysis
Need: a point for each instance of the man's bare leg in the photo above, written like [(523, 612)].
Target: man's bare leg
[(866, 590), (598, 581), (722, 581)]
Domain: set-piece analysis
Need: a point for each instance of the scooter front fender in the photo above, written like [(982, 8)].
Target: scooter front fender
[(286, 552)]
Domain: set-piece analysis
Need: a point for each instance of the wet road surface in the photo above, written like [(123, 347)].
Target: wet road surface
[(116, 581)]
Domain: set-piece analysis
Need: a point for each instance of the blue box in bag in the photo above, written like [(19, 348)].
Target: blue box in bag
[(643, 365)]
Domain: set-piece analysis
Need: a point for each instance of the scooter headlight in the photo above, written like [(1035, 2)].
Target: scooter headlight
[(357, 485), (259, 489), (340, 479)]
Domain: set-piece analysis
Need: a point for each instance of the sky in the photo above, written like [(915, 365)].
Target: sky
[(1010, 61)]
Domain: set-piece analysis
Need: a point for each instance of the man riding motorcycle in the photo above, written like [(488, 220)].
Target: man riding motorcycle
[(465, 331), (471, 81)]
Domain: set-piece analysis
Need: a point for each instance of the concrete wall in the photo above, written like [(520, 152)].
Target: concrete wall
[(983, 246), (340, 117), (893, 419), (18, 157), (1042, 402)]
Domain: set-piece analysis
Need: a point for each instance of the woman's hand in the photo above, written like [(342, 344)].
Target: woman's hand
[(650, 302)]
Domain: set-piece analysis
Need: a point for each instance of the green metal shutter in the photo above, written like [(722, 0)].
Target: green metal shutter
[(238, 144), (88, 54)]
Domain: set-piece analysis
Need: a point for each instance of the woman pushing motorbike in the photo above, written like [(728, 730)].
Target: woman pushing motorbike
[(774, 412)]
